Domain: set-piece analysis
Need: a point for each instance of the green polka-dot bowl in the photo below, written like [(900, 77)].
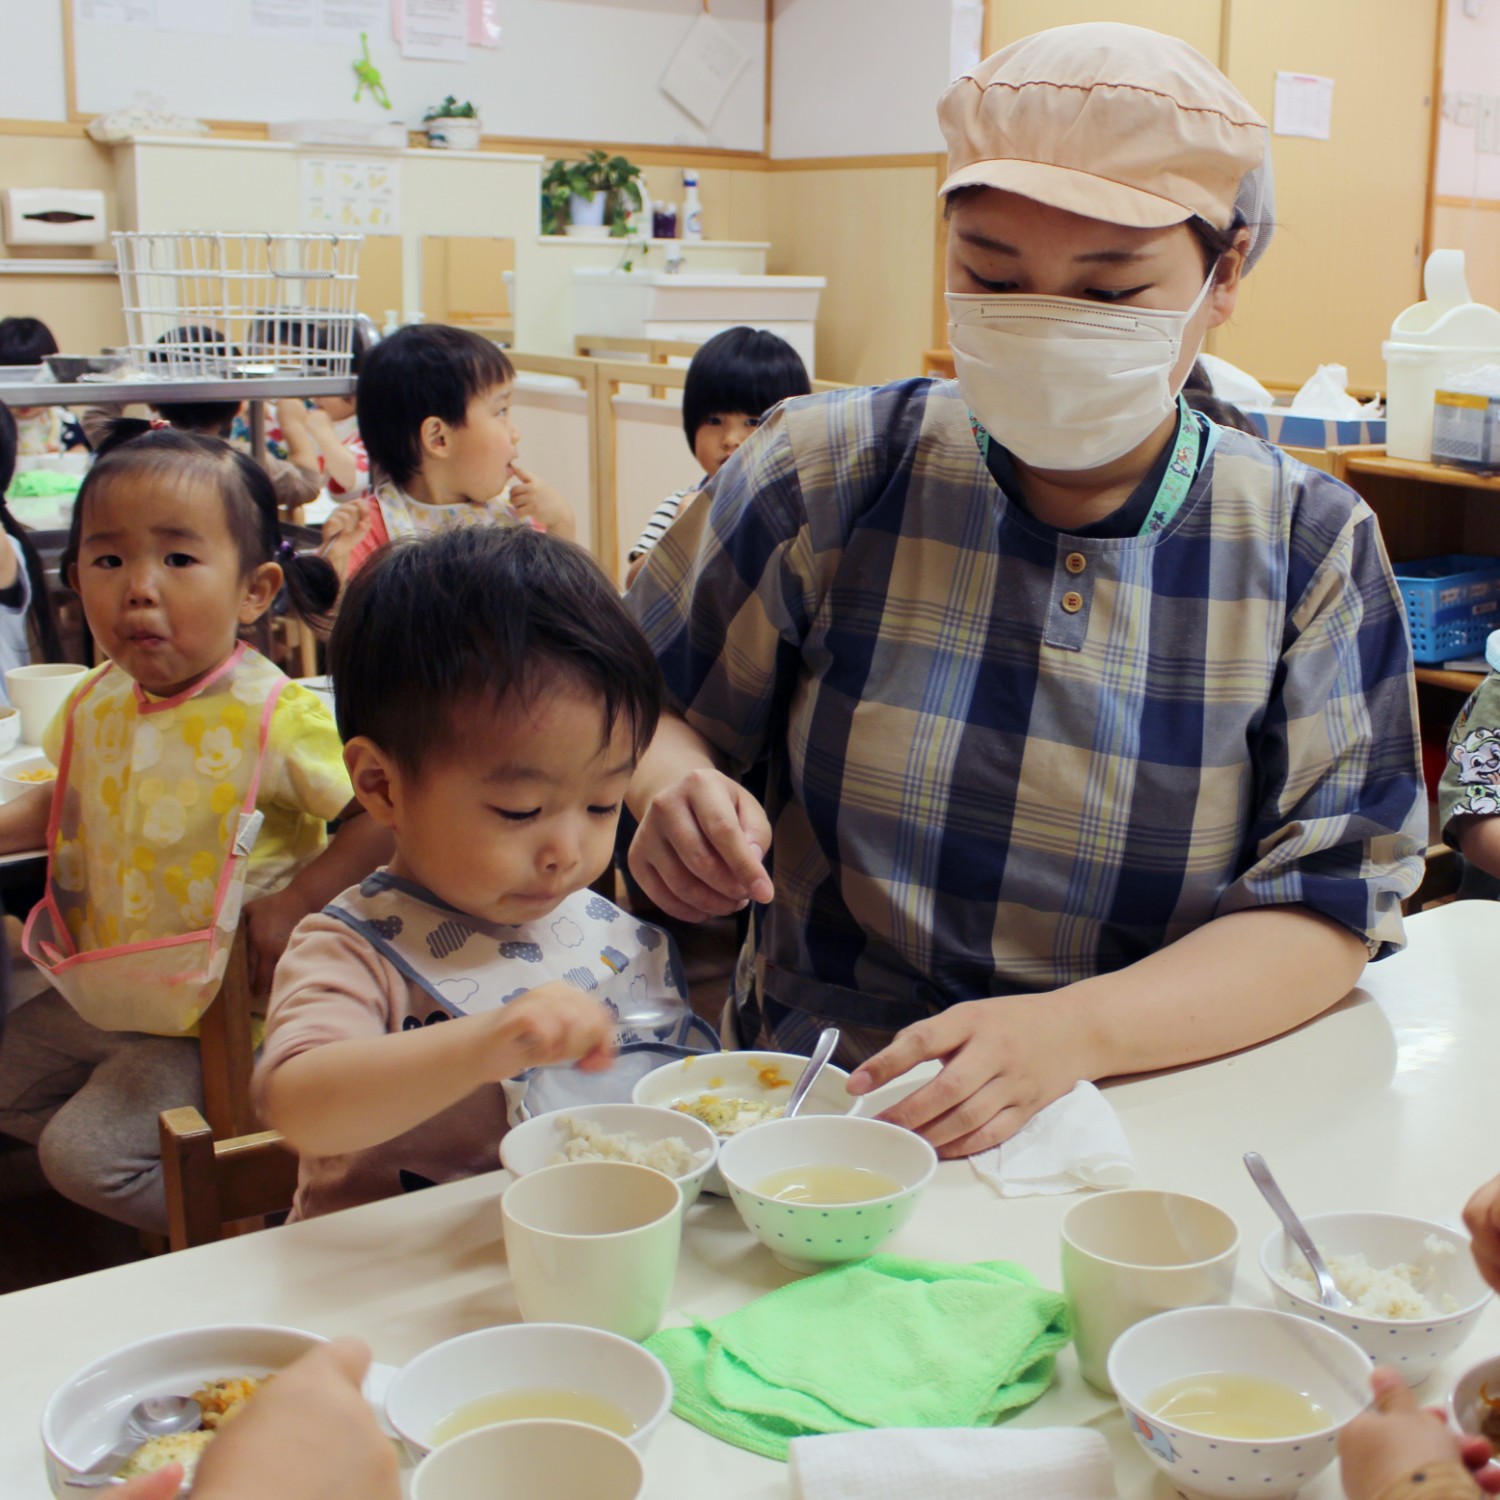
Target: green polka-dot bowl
[(810, 1236)]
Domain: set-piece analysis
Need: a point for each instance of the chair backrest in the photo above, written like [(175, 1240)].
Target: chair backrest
[(213, 1185), (226, 1048)]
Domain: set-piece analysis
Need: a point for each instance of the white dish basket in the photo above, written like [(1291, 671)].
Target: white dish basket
[(215, 304)]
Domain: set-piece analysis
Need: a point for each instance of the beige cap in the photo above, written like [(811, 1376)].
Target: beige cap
[(1109, 121)]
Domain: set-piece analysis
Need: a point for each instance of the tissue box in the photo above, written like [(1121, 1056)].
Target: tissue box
[(1464, 429), (1291, 430)]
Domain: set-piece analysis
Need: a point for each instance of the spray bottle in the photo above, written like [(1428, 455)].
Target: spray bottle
[(692, 207)]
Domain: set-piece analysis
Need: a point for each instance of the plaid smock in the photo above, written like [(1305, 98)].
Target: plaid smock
[(1002, 758)]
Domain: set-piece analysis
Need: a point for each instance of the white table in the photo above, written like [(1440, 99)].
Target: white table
[(1387, 1102)]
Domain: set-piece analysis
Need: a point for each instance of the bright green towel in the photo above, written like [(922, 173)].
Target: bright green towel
[(883, 1342)]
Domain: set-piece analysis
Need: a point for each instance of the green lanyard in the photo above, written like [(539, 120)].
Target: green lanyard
[(1182, 467)]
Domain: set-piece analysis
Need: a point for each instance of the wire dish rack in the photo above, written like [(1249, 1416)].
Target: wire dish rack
[(216, 304)]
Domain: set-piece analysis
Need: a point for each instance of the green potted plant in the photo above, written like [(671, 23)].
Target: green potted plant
[(452, 125), (595, 196)]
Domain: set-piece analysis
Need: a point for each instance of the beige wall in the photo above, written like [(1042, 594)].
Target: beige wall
[(82, 311), (1474, 229), (870, 230)]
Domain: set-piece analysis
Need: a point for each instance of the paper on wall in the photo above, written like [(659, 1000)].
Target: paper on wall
[(1304, 106), (703, 69), (286, 20), (431, 30), (206, 17), (115, 12), (343, 20), (966, 38), (349, 195), (484, 23)]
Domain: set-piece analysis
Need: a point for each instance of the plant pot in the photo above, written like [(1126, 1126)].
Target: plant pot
[(453, 133), (586, 215)]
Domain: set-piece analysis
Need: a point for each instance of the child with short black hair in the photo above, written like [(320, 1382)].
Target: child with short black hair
[(493, 697), (732, 383), (434, 410), (27, 623), (39, 429), (191, 776)]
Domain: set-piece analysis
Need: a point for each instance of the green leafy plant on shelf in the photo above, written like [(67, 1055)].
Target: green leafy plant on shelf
[(599, 172), (451, 109)]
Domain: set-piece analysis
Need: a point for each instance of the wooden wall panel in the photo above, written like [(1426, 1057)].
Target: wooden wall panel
[(1476, 231), (870, 231)]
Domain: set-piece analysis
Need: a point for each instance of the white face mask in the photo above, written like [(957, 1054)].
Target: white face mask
[(1062, 382)]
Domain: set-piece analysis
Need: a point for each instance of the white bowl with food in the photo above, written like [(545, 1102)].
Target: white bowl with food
[(85, 1416), (821, 1190), (1416, 1291), (20, 776), (733, 1091), (10, 728), (675, 1144), (1233, 1401), (528, 1371), (1474, 1402), (537, 1460)]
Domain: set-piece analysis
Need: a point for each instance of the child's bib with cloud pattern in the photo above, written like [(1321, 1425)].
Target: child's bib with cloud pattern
[(468, 965), (152, 824)]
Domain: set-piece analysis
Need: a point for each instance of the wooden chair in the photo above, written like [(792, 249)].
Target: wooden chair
[(214, 1186), (226, 1048), (1440, 880)]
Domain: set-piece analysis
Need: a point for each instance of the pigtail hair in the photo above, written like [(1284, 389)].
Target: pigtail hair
[(312, 585), (121, 430)]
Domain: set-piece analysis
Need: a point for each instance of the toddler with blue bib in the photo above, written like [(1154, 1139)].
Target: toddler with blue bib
[(493, 698)]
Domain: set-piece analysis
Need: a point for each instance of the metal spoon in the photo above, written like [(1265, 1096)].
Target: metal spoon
[(1328, 1293), (827, 1042), (156, 1416)]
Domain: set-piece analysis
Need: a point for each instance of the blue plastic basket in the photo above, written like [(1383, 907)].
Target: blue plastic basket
[(1452, 604)]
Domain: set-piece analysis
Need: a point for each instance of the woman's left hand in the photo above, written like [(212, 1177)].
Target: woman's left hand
[(1003, 1060), (269, 923)]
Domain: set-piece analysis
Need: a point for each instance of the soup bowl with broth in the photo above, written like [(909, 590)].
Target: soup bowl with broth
[(1233, 1401), (528, 1372), (823, 1189)]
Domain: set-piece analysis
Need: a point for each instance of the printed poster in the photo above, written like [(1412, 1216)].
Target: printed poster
[(350, 195), (115, 12)]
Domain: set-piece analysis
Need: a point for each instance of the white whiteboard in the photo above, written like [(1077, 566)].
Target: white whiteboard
[(585, 70)]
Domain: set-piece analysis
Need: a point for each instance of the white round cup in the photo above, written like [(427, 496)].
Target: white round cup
[(1132, 1254), (539, 1459), (593, 1242), (37, 692)]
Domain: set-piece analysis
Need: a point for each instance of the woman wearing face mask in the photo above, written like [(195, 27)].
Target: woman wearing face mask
[(1088, 724)]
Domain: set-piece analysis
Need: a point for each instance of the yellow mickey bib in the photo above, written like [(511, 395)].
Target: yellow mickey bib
[(152, 824)]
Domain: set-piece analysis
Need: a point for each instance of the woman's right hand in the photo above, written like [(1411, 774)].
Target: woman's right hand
[(1482, 1219), (699, 850)]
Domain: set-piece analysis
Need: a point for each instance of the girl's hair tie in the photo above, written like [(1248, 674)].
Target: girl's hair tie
[(286, 550), (157, 423)]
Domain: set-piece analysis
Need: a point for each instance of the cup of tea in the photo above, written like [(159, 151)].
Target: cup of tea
[(37, 692), (595, 1243), (1129, 1255)]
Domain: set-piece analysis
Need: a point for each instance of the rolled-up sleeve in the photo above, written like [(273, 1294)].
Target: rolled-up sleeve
[(1340, 808)]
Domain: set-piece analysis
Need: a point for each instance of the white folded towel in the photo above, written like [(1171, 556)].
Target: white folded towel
[(952, 1463), (1077, 1142)]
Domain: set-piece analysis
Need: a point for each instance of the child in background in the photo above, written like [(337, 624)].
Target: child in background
[(732, 383), (185, 745), (41, 429), (329, 433), (493, 698), (28, 628), (434, 412), (1469, 792)]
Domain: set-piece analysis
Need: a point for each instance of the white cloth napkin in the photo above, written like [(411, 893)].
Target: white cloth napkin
[(952, 1463), (1077, 1142)]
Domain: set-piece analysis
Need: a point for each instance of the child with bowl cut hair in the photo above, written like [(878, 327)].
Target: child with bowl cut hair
[(434, 412), (493, 698), (732, 383)]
